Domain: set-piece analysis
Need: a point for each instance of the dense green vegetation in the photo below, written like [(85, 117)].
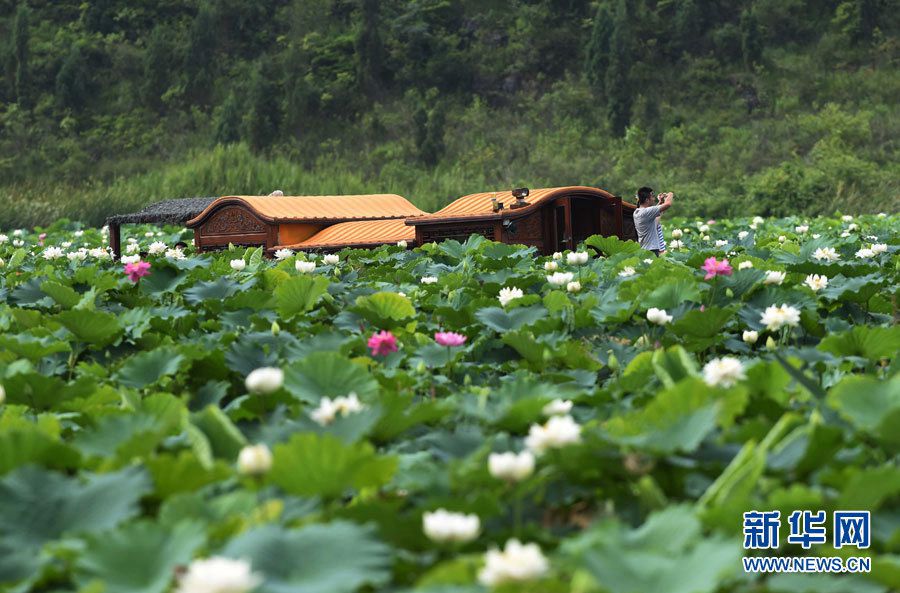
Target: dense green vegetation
[(750, 107), (384, 421)]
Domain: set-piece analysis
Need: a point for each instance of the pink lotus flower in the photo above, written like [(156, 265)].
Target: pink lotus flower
[(382, 343), (137, 270), (716, 268), (449, 339)]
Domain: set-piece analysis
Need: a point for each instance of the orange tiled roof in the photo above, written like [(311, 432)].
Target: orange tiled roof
[(364, 232), (310, 208), (479, 205)]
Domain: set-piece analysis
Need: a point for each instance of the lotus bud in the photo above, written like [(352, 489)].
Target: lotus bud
[(770, 343), (612, 362), (276, 329)]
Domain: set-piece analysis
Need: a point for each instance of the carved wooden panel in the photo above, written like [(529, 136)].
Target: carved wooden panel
[(232, 220), (457, 232), (628, 230)]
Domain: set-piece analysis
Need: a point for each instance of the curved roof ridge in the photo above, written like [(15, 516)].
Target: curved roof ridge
[(275, 209), (478, 205)]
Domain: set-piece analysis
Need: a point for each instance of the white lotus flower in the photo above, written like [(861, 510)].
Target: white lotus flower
[(750, 336), (558, 407), (51, 253), (175, 253), (658, 316), (277, 193), (801, 229), (444, 526), (676, 244), (576, 258), (845, 234), (648, 261), (557, 255), (705, 237), (517, 562), (429, 279), (846, 218), (721, 243), (132, 240), (99, 253), (79, 255), (148, 234), (78, 233), (557, 432), (65, 244), (882, 215), (402, 243), (758, 219), (551, 266), (218, 575), (743, 235), (304, 267), (510, 466), (18, 242), (237, 264), (254, 460), (826, 253), (329, 409), (816, 235), (816, 282), (723, 372), (745, 265), (853, 227), (782, 238), (3, 239), (627, 271), (507, 294), (560, 278), (573, 286), (282, 254), (774, 317), (865, 253), (774, 277), (130, 259), (879, 248), (157, 247), (677, 234), (704, 228), (264, 380), (331, 259), (132, 248)]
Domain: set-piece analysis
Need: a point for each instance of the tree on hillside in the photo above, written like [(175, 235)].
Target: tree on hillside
[(688, 25), (264, 116), (227, 121), (751, 41), (618, 91), (157, 69), (72, 81), (369, 48), (199, 59), (597, 60), (99, 16), (20, 54)]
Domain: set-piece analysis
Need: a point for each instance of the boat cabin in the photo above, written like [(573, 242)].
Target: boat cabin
[(551, 219)]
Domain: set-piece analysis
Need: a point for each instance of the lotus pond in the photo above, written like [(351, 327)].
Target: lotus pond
[(450, 419)]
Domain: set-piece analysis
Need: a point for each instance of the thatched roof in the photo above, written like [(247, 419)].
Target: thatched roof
[(165, 212)]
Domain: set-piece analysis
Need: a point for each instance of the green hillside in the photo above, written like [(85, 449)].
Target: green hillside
[(742, 107)]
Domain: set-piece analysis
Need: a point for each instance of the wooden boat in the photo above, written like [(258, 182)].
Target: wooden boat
[(550, 219)]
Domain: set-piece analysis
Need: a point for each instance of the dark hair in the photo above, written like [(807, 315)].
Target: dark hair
[(644, 194)]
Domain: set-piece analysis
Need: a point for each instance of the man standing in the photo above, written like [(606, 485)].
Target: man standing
[(645, 216)]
